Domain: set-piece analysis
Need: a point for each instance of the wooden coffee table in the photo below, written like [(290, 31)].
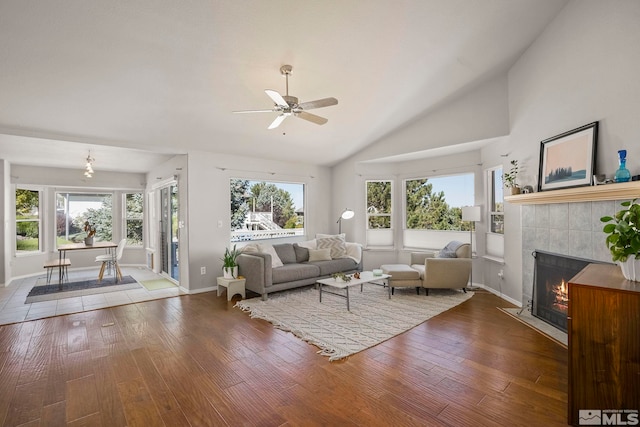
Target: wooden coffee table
[(365, 277)]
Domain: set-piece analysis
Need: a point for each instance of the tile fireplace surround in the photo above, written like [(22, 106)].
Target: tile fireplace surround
[(567, 222)]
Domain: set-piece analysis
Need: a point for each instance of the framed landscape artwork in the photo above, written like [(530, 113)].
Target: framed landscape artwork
[(568, 159)]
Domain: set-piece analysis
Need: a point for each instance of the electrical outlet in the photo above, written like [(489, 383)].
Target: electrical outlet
[(203, 270), (501, 274)]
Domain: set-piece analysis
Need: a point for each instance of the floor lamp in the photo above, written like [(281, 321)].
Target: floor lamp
[(471, 214), (346, 214)]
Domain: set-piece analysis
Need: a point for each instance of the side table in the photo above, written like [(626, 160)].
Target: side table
[(234, 286)]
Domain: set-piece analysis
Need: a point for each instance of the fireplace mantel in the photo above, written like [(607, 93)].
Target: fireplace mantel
[(620, 191)]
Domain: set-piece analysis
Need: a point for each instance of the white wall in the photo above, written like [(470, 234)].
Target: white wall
[(583, 68), (475, 116), (206, 201)]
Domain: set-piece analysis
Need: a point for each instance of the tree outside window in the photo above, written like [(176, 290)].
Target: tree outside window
[(436, 203), (27, 220), (266, 210), (134, 205), (378, 204), (496, 206), (73, 209)]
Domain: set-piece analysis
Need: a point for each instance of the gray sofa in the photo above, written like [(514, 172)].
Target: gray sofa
[(296, 270)]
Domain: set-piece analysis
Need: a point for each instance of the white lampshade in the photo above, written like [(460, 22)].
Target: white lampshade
[(347, 214), (471, 213)]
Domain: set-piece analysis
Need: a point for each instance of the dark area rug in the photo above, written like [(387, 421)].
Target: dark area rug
[(79, 288)]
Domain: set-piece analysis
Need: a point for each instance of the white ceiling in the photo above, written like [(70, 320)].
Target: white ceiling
[(162, 76)]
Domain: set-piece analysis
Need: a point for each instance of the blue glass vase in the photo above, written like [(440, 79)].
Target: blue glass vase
[(622, 174)]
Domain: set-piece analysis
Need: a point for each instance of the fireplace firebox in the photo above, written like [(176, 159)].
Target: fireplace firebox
[(552, 273)]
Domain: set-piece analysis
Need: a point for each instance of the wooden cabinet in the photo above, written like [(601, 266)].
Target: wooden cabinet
[(604, 341)]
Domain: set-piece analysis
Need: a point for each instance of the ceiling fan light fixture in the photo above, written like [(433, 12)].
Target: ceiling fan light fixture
[(287, 105)]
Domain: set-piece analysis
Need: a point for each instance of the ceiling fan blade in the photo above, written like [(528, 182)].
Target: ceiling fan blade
[(312, 118), (277, 98), (318, 103), (255, 111), (277, 121)]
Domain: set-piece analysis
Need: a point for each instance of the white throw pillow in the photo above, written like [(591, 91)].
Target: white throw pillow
[(309, 244), (335, 243), (319, 255), (275, 259)]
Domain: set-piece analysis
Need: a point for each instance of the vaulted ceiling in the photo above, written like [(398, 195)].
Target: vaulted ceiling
[(157, 77)]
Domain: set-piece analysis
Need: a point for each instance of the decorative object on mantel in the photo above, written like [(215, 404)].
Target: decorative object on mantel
[(91, 232), (623, 238), (622, 174), (509, 178), (568, 159), (527, 189), (229, 265)]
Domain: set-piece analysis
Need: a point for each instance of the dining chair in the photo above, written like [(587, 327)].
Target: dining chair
[(112, 260)]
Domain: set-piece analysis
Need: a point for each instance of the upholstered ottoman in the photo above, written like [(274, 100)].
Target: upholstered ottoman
[(402, 276)]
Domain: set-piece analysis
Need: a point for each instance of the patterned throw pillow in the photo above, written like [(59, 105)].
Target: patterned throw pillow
[(335, 243)]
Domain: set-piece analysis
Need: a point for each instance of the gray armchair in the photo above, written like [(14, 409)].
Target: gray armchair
[(448, 269)]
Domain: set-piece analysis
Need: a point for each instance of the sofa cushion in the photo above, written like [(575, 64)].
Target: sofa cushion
[(335, 266), (335, 243), (286, 253), (302, 253), (275, 259), (293, 272), (319, 255)]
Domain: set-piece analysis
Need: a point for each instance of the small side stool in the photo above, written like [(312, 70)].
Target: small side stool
[(234, 286), (60, 264), (402, 276)]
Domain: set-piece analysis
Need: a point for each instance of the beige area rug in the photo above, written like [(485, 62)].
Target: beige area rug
[(539, 325), (338, 333)]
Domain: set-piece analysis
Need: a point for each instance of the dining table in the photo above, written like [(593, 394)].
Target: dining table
[(109, 247)]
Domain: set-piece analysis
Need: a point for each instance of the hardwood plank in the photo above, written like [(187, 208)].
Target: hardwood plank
[(196, 360), (165, 403), (139, 408), (81, 398), (110, 405)]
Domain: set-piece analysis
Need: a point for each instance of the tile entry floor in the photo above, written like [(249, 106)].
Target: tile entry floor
[(12, 298)]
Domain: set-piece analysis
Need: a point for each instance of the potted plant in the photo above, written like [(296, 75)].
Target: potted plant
[(229, 265), (91, 232), (623, 238), (509, 178), (341, 277)]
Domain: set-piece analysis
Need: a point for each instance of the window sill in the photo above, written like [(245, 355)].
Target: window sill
[(495, 259)]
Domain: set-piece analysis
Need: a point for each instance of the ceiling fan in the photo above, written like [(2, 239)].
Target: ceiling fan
[(287, 105)]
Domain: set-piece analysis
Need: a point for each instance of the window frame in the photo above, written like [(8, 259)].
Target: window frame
[(491, 199), (112, 194), (415, 178), (250, 235), (40, 191), (126, 219)]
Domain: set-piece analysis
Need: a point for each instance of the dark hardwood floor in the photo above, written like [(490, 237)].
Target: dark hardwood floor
[(196, 361)]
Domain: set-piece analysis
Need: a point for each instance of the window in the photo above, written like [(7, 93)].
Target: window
[(378, 204), (27, 220), (73, 209), (266, 210), (436, 203), (133, 218), (496, 201), (379, 214)]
